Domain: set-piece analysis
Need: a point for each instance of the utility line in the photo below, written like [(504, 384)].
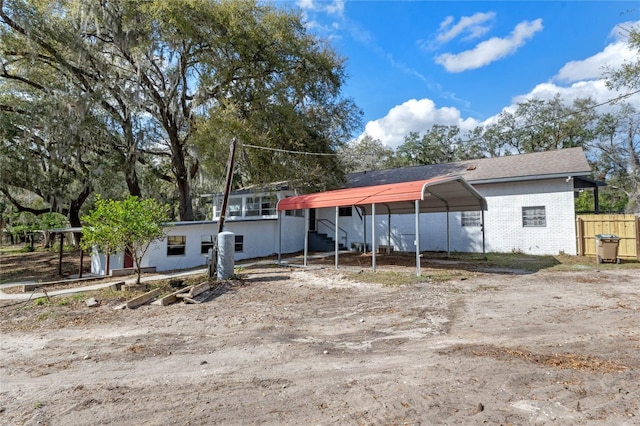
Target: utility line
[(288, 151)]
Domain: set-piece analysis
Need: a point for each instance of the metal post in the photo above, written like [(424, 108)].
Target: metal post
[(448, 235), (280, 218), (484, 252), (373, 237), (417, 242), (306, 236), (337, 240), (364, 235), (389, 232)]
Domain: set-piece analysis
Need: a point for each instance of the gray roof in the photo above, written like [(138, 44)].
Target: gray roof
[(534, 166)]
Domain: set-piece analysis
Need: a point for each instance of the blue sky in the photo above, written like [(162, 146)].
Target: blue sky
[(412, 64)]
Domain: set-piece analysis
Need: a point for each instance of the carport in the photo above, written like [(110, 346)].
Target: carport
[(440, 194)]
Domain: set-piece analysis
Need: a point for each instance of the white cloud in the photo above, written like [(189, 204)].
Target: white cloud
[(582, 79), (414, 116), (613, 56), (335, 7), (490, 50), (621, 31), (473, 26), (594, 89)]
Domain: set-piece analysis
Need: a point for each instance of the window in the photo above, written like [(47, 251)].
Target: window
[(471, 218), (235, 206), (176, 245), (261, 206), (253, 206), (206, 244), (239, 246), (269, 205), (534, 216), (345, 211), (296, 213)]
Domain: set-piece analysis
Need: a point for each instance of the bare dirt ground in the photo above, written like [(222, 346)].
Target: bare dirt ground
[(294, 346)]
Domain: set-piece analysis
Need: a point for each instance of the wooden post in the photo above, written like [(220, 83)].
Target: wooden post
[(81, 262), (580, 239), (637, 237), (225, 200), (60, 253)]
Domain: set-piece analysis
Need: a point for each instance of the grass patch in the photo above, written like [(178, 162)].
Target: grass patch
[(44, 316), (41, 301), (395, 278)]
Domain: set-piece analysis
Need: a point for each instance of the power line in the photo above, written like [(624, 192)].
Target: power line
[(287, 151)]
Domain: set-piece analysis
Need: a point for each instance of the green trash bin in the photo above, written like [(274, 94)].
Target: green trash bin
[(607, 248)]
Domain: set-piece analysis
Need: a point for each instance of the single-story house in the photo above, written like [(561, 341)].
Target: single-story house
[(530, 206), (528, 198), (251, 216)]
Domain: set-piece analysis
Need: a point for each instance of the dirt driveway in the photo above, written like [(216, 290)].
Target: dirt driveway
[(294, 346)]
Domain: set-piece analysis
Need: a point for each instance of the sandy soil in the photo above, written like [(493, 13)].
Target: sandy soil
[(294, 346)]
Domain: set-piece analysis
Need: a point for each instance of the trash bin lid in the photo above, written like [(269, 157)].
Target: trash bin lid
[(607, 237)]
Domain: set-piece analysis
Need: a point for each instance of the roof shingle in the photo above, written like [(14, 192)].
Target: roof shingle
[(538, 165)]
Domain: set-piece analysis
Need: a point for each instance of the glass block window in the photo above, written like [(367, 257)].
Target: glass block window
[(471, 218), (176, 245), (534, 216)]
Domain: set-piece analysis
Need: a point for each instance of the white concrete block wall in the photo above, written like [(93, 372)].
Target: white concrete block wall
[(504, 231), (260, 239), (504, 228)]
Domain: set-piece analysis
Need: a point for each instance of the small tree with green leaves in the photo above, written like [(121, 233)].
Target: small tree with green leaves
[(130, 225)]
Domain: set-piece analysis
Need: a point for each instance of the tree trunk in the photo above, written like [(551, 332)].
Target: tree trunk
[(185, 209), (74, 211)]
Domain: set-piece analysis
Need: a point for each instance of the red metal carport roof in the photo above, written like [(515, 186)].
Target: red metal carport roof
[(440, 194)]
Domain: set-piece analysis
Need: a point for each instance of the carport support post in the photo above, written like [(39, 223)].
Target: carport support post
[(417, 242), (484, 251), (389, 232), (306, 236), (448, 235), (337, 240), (280, 217), (364, 232), (373, 237)]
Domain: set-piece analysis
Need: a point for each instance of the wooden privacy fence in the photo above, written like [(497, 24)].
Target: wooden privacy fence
[(625, 226)]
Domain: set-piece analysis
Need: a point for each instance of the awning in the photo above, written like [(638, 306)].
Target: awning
[(441, 194)]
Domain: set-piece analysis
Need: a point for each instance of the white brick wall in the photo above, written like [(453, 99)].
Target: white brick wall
[(504, 231)]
